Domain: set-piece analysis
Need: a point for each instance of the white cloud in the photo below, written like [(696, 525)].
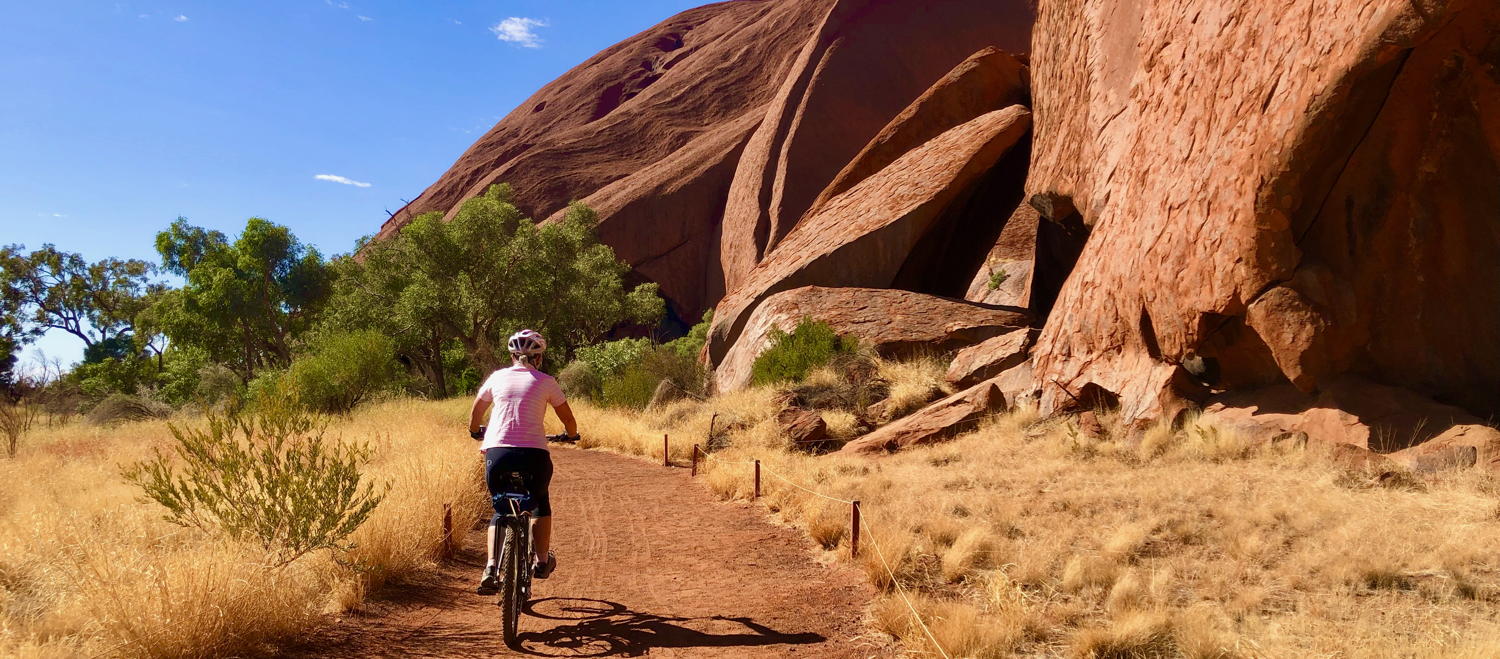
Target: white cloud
[(335, 178), (364, 19), (456, 21), (181, 18), (519, 31)]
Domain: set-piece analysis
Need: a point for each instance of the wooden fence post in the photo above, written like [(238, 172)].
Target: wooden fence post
[(695, 460), (666, 460), (854, 530), (757, 479)]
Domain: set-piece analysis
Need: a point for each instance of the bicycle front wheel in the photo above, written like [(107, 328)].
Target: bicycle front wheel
[(512, 595)]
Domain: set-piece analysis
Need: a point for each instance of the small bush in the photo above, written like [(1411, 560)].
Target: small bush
[(343, 370), (271, 478), (611, 358), (16, 419), (124, 407), (791, 357), (997, 278), (635, 386)]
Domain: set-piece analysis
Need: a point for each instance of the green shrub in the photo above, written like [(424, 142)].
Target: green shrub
[(178, 380), (635, 386), (998, 277), (790, 357), (343, 370), (691, 345), (610, 358), (99, 380), (632, 388), (270, 478)]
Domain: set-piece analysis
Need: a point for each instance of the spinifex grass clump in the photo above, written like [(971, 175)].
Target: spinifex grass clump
[(268, 476)]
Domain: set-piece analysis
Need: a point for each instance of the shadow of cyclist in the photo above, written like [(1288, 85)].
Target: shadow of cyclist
[(600, 628)]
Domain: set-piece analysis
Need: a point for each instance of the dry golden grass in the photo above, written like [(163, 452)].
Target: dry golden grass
[(1030, 537), (86, 569)]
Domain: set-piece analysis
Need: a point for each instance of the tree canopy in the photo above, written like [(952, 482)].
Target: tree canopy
[(244, 302), (51, 289), (485, 274)]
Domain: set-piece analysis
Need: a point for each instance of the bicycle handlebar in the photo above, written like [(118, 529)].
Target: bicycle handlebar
[(562, 437)]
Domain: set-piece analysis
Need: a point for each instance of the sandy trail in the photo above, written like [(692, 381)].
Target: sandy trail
[(649, 564)]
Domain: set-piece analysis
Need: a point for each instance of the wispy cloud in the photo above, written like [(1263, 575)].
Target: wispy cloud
[(181, 18), (340, 4), (335, 178), (364, 19), (519, 31)]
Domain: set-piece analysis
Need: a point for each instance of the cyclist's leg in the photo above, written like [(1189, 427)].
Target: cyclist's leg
[(541, 480)]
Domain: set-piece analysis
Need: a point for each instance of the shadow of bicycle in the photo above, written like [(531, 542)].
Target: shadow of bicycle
[(600, 628)]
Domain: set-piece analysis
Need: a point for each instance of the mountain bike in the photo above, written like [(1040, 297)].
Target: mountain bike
[(514, 509)]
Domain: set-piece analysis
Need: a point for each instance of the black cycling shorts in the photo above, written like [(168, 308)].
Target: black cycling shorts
[(534, 465)]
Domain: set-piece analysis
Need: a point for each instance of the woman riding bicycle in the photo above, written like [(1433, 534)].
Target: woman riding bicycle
[(514, 442)]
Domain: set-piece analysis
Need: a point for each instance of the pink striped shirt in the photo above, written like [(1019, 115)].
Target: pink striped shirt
[(520, 395)]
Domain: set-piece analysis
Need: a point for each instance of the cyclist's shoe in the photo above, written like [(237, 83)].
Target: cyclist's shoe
[(544, 570), (489, 584)]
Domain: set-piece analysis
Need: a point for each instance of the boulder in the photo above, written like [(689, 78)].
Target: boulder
[(1359, 413), (1005, 277), (989, 358), (866, 236), (650, 130), (956, 414), (893, 323), (989, 80), (864, 62), (1341, 224), (1462, 445), (803, 427)]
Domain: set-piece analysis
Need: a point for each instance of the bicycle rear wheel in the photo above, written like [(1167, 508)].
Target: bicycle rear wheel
[(512, 592)]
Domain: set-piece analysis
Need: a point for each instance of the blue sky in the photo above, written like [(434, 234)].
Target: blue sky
[(117, 117)]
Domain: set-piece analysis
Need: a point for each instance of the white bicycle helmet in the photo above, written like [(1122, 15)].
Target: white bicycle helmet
[(527, 342)]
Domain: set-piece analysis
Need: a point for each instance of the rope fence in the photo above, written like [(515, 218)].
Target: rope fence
[(857, 523)]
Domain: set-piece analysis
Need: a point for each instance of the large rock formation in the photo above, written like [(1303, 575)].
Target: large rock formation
[(869, 235), (867, 61), (1288, 191), (891, 322), (649, 130)]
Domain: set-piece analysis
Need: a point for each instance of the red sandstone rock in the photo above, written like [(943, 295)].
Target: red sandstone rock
[(805, 428), (1327, 210), (866, 236), (1463, 445), (989, 358), (865, 62), (650, 128), (1350, 411), (1012, 255), (893, 323), (941, 420), (989, 80)]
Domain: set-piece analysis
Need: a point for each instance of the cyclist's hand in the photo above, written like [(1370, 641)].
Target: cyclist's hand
[(477, 434), (563, 437)]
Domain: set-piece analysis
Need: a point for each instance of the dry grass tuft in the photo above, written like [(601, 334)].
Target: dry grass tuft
[(1033, 537), (88, 569)]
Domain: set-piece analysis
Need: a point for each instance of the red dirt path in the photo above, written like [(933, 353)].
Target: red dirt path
[(649, 564)]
